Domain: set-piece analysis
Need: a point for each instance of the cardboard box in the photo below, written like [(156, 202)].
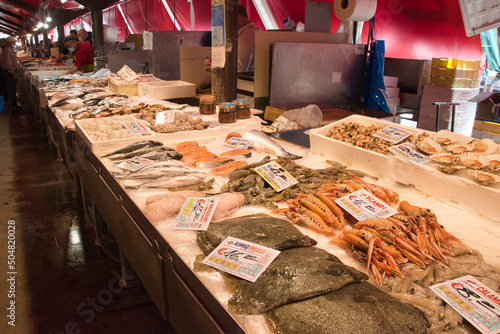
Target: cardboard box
[(390, 81), (392, 92), (488, 104), (164, 90)]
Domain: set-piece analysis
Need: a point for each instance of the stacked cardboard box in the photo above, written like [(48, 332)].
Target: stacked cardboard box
[(454, 73), (486, 129), (465, 112)]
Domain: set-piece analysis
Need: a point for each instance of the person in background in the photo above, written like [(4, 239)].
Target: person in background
[(84, 36), (65, 51), (246, 43), (10, 71), (83, 54)]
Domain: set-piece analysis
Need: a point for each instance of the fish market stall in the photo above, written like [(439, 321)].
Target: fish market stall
[(140, 208)]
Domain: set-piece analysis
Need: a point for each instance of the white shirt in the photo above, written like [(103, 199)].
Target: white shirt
[(246, 47)]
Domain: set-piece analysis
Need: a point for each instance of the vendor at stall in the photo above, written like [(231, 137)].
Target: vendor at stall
[(83, 54)]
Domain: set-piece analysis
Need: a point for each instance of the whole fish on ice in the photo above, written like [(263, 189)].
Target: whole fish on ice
[(135, 146), (185, 179), (263, 142)]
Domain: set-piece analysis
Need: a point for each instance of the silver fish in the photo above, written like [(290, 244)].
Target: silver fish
[(135, 146), (156, 172), (185, 179), (264, 143)]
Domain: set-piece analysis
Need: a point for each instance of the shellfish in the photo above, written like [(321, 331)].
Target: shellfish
[(483, 146), (493, 163), (445, 158), (457, 148), (473, 160), (429, 146), (445, 137), (484, 178)]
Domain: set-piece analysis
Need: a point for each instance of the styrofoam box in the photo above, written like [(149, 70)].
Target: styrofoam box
[(456, 189), (390, 81), (163, 90), (392, 92)]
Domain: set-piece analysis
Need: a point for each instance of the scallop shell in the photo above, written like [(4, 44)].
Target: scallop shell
[(445, 137), (445, 158), (484, 178), (483, 146), (473, 160), (429, 146), (493, 163), (450, 169), (457, 148)]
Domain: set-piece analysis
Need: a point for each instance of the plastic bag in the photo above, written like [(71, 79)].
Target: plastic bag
[(307, 117)]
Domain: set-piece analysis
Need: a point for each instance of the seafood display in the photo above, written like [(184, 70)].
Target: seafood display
[(296, 274), (258, 192), (102, 129), (262, 229), (356, 308), (264, 143)]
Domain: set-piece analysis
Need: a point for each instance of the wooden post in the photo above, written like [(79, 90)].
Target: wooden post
[(224, 79), (60, 42)]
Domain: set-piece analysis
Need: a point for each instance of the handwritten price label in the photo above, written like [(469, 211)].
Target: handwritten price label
[(363, 205), (127, 73), (393, 134), (409, 152), (196, 213), (473, 300), (276, 176), (241, 258)]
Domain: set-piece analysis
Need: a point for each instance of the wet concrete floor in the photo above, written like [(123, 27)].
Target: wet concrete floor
[(60, 282)]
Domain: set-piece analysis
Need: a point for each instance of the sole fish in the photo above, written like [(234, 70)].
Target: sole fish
[(263, 142), (135, 146)]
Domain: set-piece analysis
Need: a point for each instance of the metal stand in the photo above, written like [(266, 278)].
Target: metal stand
[(453, 111)]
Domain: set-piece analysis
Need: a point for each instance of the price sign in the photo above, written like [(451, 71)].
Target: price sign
[(164, 117), (276, 176), (473, 300), (193, 113), (393, 134), (237, 143), (241, 258), (127, 73), (136, 127), (409, 152), (196, 213), (147, 38), (363, 205), (135, 164), (214, 124)]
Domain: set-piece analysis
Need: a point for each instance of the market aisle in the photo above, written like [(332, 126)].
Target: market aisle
[(64, 282)]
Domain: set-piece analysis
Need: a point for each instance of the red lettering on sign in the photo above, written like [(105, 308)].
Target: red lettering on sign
[(489, 295), (221, 251)]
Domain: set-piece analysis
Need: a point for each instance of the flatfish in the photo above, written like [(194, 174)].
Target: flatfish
[(261, 229), (356, 308), (296, 274)]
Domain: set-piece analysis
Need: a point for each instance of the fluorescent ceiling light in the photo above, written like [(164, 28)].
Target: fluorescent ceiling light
[(171, 14), (265, 14), (48, 19)]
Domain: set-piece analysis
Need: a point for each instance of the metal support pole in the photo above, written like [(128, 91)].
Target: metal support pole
[(453, 113), (60, 42), (224, 79)]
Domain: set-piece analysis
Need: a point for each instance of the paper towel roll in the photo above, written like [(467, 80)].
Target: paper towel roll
[(110, 34), (355, 10)]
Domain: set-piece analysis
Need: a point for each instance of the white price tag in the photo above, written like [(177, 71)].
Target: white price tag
[(164, 117), (214, 124), (196, 213), (136, 128), (135, 164), (147, 37), (393, 134), (241, 258), (127, 73), (234, 143), (363, 205), (409, 152), (276, 176), (473, 300)]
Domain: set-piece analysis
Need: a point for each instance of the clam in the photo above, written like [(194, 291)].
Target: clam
[(473, 160), (450, 169), (493, 163), (445, 137), (445, 158), (429, 146), (483, 146), (457, 148), (484, 178)]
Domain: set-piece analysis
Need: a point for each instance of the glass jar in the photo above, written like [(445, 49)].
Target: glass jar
[(227, 112), (207, 104), (242, 109)]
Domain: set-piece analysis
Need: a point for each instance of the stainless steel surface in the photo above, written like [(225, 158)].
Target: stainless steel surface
[(318, 16), (133, 59), (328, 75), (164, 59)]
